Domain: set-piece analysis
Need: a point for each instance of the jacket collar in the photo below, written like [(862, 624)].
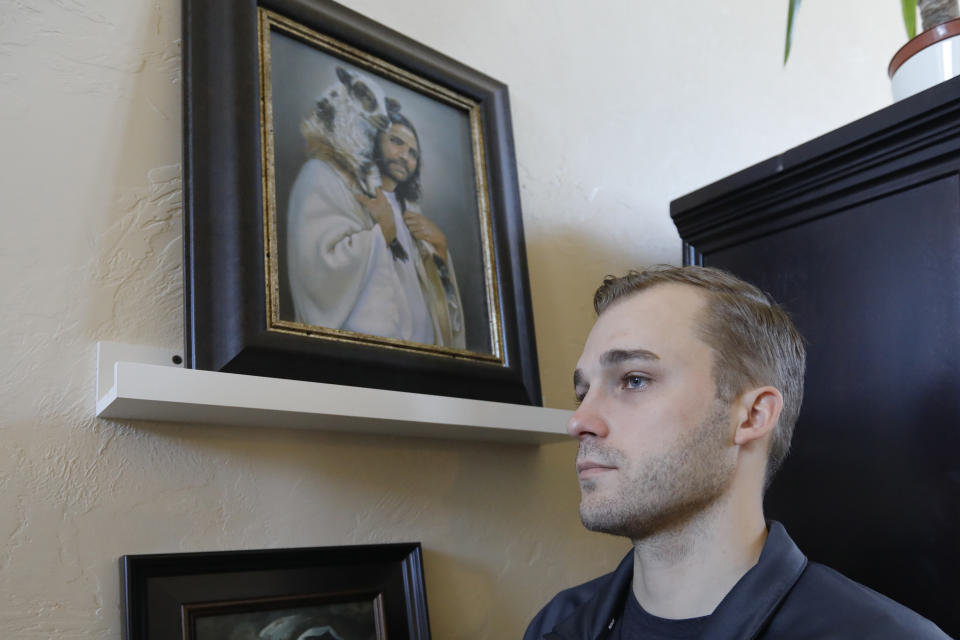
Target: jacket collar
[(741, 615), (593, 620)]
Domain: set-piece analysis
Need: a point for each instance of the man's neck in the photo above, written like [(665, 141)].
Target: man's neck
[(686, 572), (387, 183)]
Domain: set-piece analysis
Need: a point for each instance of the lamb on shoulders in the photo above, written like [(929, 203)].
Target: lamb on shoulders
[(343, 126)]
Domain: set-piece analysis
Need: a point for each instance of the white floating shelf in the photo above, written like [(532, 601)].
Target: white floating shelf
[(142, 383)]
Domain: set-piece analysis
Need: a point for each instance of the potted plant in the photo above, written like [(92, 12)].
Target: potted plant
[(926, 59)]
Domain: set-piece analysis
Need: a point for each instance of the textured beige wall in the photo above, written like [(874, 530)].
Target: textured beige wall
[(618, 107)]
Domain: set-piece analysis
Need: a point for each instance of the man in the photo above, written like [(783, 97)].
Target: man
[(418, 246), (689, 386), (372, 265)]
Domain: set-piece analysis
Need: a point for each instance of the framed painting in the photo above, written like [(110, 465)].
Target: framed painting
[(352, 212), (320, 593)]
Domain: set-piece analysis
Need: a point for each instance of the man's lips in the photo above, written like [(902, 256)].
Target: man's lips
[(590, 468)]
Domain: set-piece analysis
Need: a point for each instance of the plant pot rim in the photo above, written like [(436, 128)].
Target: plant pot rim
[(923, 40)]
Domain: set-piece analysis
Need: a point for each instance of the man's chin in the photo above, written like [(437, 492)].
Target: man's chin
[(596, 514), (601, 524), (398, 174)]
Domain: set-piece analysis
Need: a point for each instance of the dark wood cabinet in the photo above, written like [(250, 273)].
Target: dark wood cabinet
[(857, 233)]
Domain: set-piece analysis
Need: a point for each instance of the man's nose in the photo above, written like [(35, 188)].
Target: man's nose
[(587, 420)]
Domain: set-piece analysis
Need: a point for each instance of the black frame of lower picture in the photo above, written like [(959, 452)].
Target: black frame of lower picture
[(165, 595)]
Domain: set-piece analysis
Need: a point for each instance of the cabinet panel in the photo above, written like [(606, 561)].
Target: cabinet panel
[(857, 233), (872, 484)]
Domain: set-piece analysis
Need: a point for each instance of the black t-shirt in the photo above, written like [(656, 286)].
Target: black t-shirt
[(637, 624)]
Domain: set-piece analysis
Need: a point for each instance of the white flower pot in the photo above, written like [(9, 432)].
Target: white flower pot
[(930, 58)]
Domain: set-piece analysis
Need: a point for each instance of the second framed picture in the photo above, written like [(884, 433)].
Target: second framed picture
[(364, 592), (352, 209)]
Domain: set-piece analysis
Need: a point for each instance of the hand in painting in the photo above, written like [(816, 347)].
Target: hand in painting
[(380, 210), (423, 229)]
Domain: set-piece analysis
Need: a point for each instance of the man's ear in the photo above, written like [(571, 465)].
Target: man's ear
[(758, 412)]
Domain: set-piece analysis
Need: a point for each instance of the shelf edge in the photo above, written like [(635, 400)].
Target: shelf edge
[(159, 391)]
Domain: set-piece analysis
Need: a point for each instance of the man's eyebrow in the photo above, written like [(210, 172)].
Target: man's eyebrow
[(616, 356)]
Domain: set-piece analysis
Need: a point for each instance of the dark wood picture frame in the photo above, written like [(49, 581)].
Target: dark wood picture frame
[(230, 251), (164, 595)]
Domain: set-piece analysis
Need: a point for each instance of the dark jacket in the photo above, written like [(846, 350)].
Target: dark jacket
[(782, 597)]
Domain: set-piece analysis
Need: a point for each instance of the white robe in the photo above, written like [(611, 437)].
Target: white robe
[(342, 275)]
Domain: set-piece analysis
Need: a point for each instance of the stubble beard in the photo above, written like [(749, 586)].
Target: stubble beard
[(661, 493), (396, 169)]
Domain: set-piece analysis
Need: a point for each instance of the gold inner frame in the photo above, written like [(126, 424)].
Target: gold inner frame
[(270, 20)]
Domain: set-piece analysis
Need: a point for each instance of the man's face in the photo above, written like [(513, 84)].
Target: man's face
[(656, 443), (399, 153)]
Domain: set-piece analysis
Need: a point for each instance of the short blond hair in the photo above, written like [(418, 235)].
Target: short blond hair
[(754, 339)]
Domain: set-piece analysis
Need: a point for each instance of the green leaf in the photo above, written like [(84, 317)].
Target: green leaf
[(910, 17), (792, 10)]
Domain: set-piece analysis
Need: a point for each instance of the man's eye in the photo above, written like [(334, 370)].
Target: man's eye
[(635, 381), (579, 395)]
